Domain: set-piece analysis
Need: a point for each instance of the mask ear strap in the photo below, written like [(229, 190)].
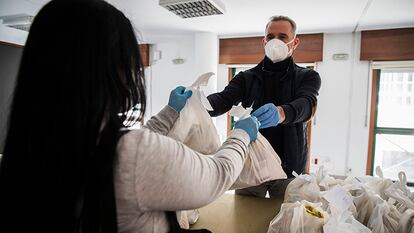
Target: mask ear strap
[(291, 40)]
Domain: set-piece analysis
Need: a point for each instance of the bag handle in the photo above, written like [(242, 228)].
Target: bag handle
[(379, 172), (175, 227), (403, 178), (297, 221)]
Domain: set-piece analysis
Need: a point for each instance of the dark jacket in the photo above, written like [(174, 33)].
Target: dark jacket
[(284, 84)]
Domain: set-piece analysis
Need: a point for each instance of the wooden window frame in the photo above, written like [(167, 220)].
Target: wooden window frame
[(249, 50), (387, 45), (372, 121), (144, 50), (11, 44), (373, 129)]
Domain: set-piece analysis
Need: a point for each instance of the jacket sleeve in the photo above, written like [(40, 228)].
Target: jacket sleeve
[(305, 100), (171, 176), (163, 121), (231, 95)]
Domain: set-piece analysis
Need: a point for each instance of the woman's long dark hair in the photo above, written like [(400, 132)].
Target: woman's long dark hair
[(80, 72)]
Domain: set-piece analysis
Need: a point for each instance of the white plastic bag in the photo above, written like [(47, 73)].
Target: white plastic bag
[(187, 217), (194, 126), (384, 217), (344, 223), (262, 163), (353, 185), (339, 201), (196, 130), (406, 222), (379, 184), (365, 203), (303, 187), (183, 219), (324, 180), (299, 217), (399, 200), (402, 185), (399, 194)]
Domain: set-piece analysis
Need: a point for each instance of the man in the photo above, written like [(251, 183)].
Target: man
[(284, 98)]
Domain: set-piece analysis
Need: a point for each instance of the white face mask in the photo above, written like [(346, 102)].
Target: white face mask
[(276, 50)]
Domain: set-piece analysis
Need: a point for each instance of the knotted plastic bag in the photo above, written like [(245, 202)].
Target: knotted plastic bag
[(324, 180), (299, 217), (303, 187), (262, 163), (194, 127), (379, 184)]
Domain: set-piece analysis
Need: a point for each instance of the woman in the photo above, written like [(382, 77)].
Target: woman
[(68, 164)]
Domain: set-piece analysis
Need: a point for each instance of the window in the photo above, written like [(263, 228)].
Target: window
[(393, 131)]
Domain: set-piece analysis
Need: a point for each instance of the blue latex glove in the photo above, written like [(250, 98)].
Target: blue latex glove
[(250, 125), (268, 115), (178, 98)]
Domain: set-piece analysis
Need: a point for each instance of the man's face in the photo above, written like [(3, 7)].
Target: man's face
[(281, 30)]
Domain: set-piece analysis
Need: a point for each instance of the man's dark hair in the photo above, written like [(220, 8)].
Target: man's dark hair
[(282, 18)]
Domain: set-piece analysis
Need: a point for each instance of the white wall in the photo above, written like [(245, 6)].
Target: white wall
[(340, 131), (206, 57), (163, 76), (200, 53), (329, 133), (359, 113)]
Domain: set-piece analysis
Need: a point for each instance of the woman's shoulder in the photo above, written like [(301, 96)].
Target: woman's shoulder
[(141, 142), (130, 139)]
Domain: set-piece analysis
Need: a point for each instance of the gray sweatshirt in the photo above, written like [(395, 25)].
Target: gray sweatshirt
[(154, 173)]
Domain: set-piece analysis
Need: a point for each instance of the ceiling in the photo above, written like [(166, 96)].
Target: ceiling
[(248, 17)]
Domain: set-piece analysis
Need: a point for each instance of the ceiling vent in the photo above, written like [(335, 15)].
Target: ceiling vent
[(18, 21), (193, 8)]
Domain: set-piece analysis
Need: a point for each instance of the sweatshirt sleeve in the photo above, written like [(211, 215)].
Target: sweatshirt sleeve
[(163, 121), (231, 95), (301, 108), (171, 176)]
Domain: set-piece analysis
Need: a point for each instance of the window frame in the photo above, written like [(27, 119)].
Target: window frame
[(374, 130)]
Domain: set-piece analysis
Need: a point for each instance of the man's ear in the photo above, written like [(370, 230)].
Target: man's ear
[(264, 41), (296, 42)]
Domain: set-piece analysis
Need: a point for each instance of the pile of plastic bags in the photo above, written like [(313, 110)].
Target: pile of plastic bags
[(351, 205)]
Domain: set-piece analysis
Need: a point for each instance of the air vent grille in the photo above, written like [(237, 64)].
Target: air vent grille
[(193, 8)]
